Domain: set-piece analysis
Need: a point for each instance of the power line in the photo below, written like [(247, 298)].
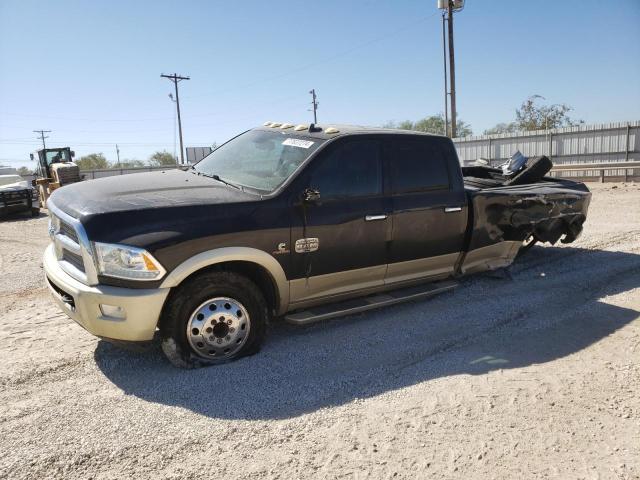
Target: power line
[(328, 59), (42, 136), (175, 78), (81, 143), (50, 117)]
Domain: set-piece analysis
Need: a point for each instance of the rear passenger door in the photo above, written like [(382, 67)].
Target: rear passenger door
[(429, 208)]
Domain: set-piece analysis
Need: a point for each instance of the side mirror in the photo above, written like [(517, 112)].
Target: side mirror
[(73, 154), (311, 195), (31, 156)]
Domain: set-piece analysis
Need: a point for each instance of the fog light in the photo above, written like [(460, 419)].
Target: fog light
[(113, 311)]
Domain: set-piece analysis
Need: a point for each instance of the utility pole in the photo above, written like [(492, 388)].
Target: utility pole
[(452, 71), (175, 78), (446, 86), (314, 102), (42, 136), (118, 154)]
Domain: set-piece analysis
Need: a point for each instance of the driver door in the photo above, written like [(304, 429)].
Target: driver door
[(339, 241)]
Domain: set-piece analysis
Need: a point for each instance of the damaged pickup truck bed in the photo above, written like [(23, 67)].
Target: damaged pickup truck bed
[(303, 222)]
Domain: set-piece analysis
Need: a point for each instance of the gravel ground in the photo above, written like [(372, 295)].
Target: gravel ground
[(531, 372)]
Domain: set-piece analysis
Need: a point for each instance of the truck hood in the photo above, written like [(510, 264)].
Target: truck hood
[(12, 183), (144, 191)]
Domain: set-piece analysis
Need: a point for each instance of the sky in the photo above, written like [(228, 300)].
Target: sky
[(90, 70)]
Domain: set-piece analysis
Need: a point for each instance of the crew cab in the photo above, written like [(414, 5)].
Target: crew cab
[(296, 222)]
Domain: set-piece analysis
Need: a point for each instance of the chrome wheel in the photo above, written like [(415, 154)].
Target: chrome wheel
[(218, 328)]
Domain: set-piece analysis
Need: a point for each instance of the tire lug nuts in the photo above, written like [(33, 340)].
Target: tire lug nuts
[(229, 321), (219, 340), (228, 337), (232, 329)]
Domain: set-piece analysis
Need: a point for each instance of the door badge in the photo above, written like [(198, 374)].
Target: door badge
[(306, 245)]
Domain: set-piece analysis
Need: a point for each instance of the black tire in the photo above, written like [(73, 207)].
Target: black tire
[(535, 169), (190, 298)]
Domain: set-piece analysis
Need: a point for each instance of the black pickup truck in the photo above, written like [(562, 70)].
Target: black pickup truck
[(301, 222)]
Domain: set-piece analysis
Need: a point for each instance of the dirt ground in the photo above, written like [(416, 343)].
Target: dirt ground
[(532, 372)]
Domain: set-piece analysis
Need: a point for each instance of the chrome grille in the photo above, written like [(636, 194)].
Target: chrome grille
[(72, 247), (73, 259), (68, 230)]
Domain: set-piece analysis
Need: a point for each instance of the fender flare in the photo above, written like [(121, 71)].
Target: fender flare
[(233, 254)]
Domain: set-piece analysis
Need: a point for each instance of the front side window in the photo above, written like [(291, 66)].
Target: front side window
[(418, 165), (351, 169), (258, 159)]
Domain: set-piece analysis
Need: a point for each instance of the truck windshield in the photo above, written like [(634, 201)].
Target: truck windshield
[(258, 159)]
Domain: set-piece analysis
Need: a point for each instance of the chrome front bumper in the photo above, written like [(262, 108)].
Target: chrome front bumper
[(140, 308)]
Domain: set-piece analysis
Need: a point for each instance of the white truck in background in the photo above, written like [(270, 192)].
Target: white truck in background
[(17, 194)]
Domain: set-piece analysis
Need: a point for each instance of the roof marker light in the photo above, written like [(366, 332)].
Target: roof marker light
[(301, 127), (267, 124), (286, 125), (331, 130), (275, 124)]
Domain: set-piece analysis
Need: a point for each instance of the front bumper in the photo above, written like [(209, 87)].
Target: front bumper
[(140, 307)]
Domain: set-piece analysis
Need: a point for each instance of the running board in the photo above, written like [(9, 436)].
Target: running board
[(362, 304)]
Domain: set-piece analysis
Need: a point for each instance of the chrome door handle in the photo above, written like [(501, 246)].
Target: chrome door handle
[(452, 209), (372, 218)]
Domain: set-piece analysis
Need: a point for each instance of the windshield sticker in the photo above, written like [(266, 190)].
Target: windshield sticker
[(295, 142)]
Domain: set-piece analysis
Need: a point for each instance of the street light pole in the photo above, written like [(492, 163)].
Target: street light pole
[(448, 8), (446, 92), (452, 70)]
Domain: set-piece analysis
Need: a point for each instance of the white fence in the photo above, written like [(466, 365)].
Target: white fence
[(110, 172), (584, 144)]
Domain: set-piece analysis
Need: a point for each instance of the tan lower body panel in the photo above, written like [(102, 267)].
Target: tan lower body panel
[(490, 257), (442, 265), (333, 284), (304, 292)]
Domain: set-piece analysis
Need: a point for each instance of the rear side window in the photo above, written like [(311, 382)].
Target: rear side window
[(418, 165), (352, 169)]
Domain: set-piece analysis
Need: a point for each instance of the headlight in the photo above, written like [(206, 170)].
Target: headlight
[(132, 263)]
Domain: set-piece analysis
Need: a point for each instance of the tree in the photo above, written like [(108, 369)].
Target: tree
[(24, 171), (93, 161), (510, 127), (531, 116), (433, 124), (130, 163), (162, 158)]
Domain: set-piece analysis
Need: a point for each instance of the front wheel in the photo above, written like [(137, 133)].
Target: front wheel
[(213, 318)]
